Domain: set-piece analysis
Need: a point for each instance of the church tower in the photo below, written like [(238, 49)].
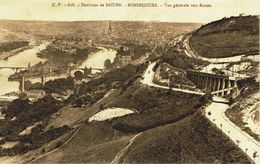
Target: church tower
[(109, 32)]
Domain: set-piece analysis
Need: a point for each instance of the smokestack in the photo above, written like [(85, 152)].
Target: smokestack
[(23, 79)]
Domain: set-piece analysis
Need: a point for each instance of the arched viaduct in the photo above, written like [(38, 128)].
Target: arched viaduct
[(218, 84)]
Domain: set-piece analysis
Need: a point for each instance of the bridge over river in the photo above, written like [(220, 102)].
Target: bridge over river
[(14, 68), (85, 70)]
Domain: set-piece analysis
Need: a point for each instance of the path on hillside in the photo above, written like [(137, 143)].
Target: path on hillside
[(122, 153), (217, 109), (52, 151)]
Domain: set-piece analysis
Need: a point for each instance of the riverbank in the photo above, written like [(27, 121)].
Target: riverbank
[(52, 66), (12, 48), (21, 59), (7, 55)]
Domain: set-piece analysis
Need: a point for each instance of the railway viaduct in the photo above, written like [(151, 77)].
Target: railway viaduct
[(218, 84)]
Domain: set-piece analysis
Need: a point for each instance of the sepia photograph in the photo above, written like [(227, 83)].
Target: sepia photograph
[(129, 81)]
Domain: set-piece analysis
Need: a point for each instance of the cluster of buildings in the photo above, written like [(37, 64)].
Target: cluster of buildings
[(123, 58), (70, 45), (35, 94)]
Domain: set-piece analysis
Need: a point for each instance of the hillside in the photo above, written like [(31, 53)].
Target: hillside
[(174, 116), (227, 37), (245, 111), (164, 136), (7, 36), (190, 140)]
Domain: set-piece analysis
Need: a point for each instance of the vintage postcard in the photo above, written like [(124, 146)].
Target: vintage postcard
[(129, 81)]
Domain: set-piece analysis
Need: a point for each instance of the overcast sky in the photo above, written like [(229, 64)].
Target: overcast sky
[(43, 10)]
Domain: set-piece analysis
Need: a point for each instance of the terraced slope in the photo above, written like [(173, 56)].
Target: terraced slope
[(227, 37)]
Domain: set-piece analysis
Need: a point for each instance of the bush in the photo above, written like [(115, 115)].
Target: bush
[(27, 114), (78, 75), (57, 85), (36, 140), (59, 144), (17, 106)]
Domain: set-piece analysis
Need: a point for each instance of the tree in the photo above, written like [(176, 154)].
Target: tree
[(81, 53), (101, 107), (231, 101), (78, 75), (121, 50), (87, 71), (214, 70), (59, 84), (205, 98), (78, 103), (22, 96), (107, 64)]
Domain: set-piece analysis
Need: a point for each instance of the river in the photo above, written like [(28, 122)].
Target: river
[(95, 60), (22, 59)]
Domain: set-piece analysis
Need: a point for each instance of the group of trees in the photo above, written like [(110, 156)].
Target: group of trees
[(118, 75), (181, 80), (91, 91), (180, 60), (82, 53), (137, 50), (58, 85), (36, 139), (15, 107), (56, 55), (28, 85), (27, 113)]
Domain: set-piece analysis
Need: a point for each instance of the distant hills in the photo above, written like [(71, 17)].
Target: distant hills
[(9, 36), (227, 37), (142, 32)]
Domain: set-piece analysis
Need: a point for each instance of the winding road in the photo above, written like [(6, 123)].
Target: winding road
[(189, 52), (215, 113), (217, 116), (148, 80)]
